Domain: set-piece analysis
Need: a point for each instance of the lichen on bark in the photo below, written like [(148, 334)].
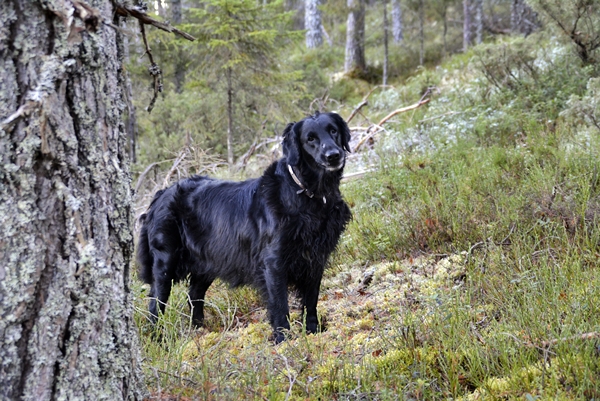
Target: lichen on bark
[(66, 324)]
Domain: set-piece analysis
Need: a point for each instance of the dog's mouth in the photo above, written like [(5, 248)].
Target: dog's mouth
[(332, 168)]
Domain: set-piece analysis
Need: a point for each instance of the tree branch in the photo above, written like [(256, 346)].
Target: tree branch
[(154, 70), (140, 14)]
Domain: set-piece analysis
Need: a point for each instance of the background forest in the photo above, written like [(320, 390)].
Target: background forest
[(470, 268)]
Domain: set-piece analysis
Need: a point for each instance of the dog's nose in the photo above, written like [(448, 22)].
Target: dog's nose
[(333, 156)]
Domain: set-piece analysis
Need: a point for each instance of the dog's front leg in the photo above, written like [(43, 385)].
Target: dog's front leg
[(310, 296), (277, 301)]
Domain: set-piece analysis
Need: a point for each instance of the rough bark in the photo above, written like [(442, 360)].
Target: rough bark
[(397, 28), (386, 28), (466, 25), (66, 326), (312, 24), (177, 13), (478, 5), (421, 32), (355, 37), (523, 19)]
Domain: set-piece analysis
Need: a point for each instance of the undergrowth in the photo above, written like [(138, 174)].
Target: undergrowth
[(469, 270)]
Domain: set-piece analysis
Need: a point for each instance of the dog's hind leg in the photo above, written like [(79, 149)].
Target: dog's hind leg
[(277, 302), (197, 290)]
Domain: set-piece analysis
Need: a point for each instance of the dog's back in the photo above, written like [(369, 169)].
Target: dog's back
[(197, 219)]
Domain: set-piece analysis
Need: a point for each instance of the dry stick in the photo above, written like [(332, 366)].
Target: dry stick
[(365, 101), (153, 69), (144, 18), (378, 127), (181, 156), (584, 336), (404, 109), (545, 345), (357, 109)]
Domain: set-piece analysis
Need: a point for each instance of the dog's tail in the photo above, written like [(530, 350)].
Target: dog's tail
[(144, 255)]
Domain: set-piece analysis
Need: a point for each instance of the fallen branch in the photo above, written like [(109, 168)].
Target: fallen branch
[(365, 101), (404, 110), (354, 176), (585, 336), (545, 345), (356, 110), (375, 129)]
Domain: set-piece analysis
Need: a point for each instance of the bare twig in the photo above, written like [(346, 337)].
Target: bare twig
[(545, 345), (365, 101), (153, 69), (404, 110), (375, 129), (357, 109), (144, 19), (181, 156), (140, 14)]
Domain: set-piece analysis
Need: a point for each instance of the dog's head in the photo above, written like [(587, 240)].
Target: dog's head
[(320, 140)]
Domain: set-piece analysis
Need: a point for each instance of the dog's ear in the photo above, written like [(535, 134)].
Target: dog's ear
[(291, 143), (343, 129)]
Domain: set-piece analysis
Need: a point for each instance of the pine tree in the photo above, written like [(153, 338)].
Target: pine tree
[(237, 42)]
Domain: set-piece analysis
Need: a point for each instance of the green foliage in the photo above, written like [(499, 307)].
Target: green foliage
[(235, 59), (536, 78), (576, 20), (478, 229)]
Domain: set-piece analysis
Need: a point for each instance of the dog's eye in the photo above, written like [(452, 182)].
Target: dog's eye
[(310, 138), (333, 131)]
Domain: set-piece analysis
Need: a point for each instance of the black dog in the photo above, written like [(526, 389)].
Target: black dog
[(269, 232)]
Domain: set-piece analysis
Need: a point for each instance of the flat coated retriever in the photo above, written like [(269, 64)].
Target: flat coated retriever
[(268, 232)]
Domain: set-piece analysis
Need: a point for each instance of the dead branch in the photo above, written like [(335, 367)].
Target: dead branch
[(371, 131), (404, 110), (585, 336), (144, 19), (140, 14), (357, 109), (545, 345), (154, 70), (375, 129), (365, 100), (181, 156), (243, 160), (357, 175)]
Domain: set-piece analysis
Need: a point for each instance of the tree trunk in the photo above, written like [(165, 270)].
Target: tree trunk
[(355, 37), (66, 315), (176, 8), (312, 24), (229, 117), (421, 32), (523, 19), (466, 25), (478, 21), (445, 34), (386, 28), (397, 29)]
